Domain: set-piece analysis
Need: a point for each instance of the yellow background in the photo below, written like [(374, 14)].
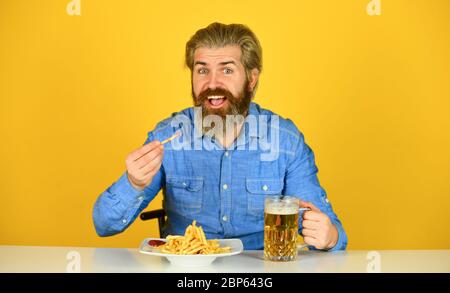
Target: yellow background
[(370, 93)]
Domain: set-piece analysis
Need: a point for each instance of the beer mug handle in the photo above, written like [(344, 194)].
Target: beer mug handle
[(303, 245)]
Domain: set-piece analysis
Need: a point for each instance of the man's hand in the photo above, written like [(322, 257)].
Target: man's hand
[(318, 230), (143, 163)]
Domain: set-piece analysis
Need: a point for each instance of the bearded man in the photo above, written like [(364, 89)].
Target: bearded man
[(223, 183)]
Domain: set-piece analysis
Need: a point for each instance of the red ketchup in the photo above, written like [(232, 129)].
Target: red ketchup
[(156, 243)]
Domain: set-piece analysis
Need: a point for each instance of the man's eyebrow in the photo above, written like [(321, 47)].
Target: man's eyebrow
[(227, 62), (199, 63), (221, 63)]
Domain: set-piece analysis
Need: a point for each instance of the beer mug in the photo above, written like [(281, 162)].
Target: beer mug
[(281, 215)]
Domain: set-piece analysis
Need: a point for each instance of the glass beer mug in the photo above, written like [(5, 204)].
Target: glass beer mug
[(281, 215)]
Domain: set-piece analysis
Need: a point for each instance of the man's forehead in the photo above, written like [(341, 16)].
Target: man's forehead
[(217, 54)]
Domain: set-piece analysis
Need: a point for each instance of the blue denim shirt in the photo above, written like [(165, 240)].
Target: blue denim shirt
[(222, 189)]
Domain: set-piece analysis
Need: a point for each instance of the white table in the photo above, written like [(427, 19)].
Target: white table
[(59, 259)]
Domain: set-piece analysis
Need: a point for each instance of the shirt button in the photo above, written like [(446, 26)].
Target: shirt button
[(327, 201), (124, 221), (184, 184), (265, 187), (225, 218), (226, 154), (225, 187), (140, 198)]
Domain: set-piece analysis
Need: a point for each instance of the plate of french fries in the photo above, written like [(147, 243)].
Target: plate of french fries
[(192, 249)]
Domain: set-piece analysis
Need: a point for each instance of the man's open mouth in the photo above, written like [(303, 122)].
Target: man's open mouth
[(216, 101)]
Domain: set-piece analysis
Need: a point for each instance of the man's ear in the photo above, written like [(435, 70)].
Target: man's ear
[(254, 76)]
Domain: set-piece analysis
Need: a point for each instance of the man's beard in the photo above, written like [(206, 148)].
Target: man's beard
[(235, 105)]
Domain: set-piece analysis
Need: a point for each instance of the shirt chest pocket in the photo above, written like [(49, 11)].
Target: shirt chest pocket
[(257, 190), (184, 195)]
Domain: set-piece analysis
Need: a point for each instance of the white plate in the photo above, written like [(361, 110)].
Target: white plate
[(196, 260)]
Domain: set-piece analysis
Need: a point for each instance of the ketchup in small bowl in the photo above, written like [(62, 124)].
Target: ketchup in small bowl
[(156, 243)]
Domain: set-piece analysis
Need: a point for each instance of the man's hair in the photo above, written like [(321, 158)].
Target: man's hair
[(218, 35)]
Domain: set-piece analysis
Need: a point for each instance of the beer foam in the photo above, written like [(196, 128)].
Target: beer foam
[(280, 209)]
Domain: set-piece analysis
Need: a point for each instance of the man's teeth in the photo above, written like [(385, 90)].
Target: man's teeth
[(215, 97)]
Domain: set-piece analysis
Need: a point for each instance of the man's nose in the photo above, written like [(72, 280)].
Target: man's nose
[(213, 81)]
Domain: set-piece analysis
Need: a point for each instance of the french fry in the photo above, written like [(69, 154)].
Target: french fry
[(203, 237), (193, 242), (177, 134)]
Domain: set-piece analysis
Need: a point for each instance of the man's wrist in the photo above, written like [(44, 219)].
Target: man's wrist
[(134, 185)]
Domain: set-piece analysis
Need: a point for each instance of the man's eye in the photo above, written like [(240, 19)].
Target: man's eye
[(228, 71), (202, 71)]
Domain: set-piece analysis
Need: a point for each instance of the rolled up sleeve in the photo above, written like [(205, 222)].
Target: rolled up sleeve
[(301, 181)]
